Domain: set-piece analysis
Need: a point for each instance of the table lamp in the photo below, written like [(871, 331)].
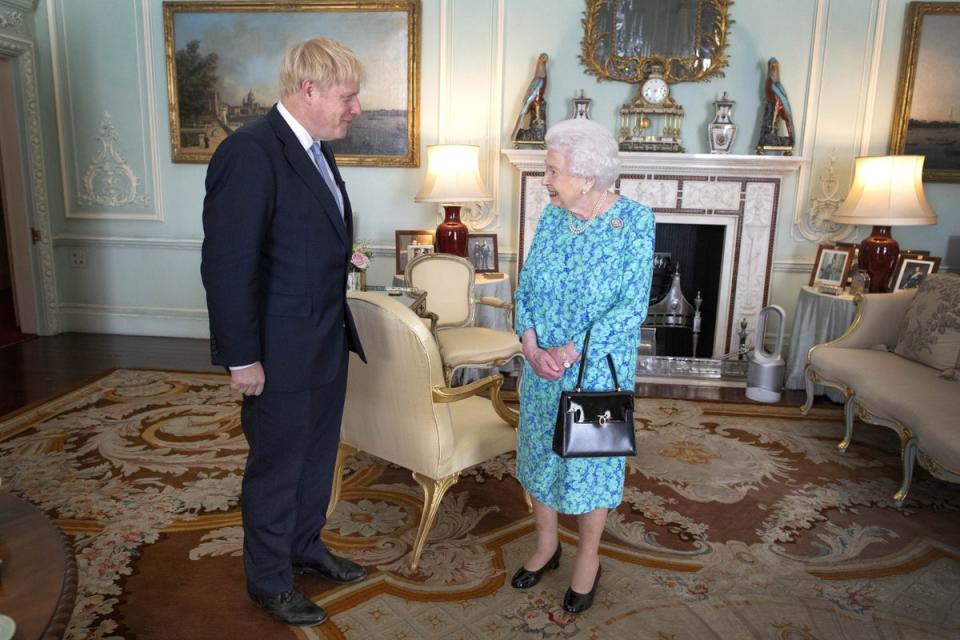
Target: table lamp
[(453, 177), (886, 191)]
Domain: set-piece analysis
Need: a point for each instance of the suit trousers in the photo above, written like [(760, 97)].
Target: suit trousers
[(293, 439)]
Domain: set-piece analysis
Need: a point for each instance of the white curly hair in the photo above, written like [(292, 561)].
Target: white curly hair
[(589, 149)]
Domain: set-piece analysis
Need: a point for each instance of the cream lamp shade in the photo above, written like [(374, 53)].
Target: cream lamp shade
[(886, 191), (453, 175)]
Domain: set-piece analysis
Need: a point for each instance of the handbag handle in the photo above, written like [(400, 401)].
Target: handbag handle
[(583, 361)]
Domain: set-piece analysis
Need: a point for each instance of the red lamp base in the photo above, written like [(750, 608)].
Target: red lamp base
[(451, 233), (878, 257)]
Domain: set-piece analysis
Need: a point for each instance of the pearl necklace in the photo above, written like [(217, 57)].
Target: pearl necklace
[(593, 216)]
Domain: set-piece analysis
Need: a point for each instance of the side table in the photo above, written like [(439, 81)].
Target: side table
[(38, 578), (818, 318)]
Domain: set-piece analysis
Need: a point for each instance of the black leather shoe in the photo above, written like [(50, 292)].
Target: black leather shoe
[(333, 568), (574, 602), (292, 608), (524, 578)]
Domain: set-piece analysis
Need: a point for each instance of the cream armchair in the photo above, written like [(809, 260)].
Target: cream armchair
[(399, 409), (449, 283)]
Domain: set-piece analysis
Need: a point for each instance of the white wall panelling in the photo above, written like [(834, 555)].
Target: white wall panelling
[(109, 168)]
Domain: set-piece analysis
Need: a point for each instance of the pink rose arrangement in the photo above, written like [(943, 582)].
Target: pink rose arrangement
[(360, 259)]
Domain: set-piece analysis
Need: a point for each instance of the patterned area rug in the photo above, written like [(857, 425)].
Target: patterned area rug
[(738, 521)]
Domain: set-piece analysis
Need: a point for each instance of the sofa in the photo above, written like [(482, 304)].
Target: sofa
[(897, 366)]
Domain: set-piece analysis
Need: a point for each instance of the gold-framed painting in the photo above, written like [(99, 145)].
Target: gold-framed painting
[(222, 61), (927, 118)]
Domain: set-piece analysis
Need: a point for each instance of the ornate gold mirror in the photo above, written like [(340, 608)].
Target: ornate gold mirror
[(688, 37)]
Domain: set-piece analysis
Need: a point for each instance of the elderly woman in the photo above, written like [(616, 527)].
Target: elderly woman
[(589, 267)]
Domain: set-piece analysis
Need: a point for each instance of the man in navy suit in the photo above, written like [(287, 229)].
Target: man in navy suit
[(278, 232)]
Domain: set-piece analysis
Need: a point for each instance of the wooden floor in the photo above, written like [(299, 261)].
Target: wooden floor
[(45, 367)]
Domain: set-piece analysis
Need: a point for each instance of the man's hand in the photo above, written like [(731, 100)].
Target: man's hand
[(249, 380)]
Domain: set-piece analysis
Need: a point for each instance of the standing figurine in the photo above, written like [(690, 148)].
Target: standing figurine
[(776, 129), (534, 106)]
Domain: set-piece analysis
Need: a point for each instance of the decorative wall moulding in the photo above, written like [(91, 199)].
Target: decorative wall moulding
[(815, 223), (109, 181), (11, 20)]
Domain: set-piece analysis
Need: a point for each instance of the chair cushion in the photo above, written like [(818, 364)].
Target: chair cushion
[(476, 345), (930, 329)]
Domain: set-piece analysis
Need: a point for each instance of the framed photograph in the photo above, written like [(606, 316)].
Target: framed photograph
[(911, 270), (482, 252), (831, 266), (410, 243), (223, 60), (854, 262), (927, 117)]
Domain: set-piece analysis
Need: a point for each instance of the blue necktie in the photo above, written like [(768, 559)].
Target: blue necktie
[(324, 169)]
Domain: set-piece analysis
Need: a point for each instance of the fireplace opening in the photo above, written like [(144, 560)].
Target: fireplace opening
[(696, 250)]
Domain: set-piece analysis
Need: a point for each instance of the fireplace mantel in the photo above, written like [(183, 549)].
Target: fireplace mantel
[(686, 163), (741, 193)]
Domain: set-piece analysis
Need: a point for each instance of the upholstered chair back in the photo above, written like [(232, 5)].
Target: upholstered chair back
[(391, 412), (448, 281)]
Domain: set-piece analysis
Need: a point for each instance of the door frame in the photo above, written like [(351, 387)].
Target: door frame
[(26, 206)]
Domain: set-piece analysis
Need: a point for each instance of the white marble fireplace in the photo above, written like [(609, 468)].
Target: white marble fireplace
[(741, 193)]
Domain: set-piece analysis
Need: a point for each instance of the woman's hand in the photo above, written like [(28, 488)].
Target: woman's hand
[(549, 364), (545, 365), (566, 355)]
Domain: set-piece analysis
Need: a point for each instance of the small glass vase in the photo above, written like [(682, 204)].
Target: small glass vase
[(356, 281)]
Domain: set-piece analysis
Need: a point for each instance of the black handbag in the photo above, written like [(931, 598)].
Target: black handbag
[(594, 424)]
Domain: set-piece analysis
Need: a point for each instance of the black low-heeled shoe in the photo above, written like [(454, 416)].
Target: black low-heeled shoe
[(574, 602), (524, 578)]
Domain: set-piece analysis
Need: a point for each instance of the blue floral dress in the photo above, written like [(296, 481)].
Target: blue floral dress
[(570, 282)]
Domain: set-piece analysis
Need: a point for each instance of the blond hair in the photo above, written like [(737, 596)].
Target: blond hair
[(323, 61)]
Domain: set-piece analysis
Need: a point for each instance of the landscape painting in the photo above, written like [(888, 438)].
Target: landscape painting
[(927, 122), (223, 60)]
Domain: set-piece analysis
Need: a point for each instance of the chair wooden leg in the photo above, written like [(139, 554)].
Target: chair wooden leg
[(849, 411), (809, 386), (343, 451), (508, 414), (908, 455), (433, 492)]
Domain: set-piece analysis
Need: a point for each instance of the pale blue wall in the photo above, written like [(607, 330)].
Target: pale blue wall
[(142, 275)]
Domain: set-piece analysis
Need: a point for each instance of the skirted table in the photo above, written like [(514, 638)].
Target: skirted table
[(818, 318)]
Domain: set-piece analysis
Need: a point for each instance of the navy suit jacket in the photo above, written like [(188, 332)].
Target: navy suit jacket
[(275, 256)]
